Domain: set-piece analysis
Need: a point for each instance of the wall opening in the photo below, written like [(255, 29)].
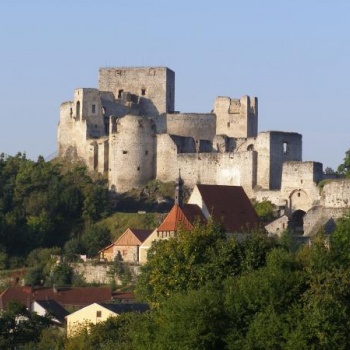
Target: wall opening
[(77, 110), (120, 91), (285, 147), (250, 148), (296, 222), (125, 152), (143, 92), (93, 109)]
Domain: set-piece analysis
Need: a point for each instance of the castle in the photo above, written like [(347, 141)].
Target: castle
[(129, 129)]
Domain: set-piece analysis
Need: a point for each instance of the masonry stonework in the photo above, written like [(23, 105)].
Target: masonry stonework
[(129, 129)]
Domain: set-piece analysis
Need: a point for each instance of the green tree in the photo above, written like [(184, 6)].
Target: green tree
[(18, 326), (344, 168), (194, 258)]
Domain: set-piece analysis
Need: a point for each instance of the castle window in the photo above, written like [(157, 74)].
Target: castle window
[(125, 152), (120, 91), (138, 168), (146, 152), (93, 109), (250, 148), (285, 147), (143, 92), (298, 194), (77, 110)]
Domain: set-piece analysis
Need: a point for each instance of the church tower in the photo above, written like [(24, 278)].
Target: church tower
[(179, 192)]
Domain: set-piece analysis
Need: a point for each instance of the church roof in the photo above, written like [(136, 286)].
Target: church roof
[(229, 205), (181, 217)]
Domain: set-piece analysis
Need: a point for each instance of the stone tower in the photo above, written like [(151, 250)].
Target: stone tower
[(152, 88), (236, 117)]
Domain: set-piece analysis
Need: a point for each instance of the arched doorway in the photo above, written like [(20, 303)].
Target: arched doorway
[(296, 222)]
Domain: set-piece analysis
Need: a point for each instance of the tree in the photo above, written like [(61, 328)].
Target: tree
[(344, 168), (194, 258), (18, 326)]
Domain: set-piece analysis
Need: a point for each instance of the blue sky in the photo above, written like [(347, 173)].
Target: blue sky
[(293, 55)]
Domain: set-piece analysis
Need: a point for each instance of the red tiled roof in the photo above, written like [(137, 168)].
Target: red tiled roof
[(80, 296), (184, 217), (229, 205)]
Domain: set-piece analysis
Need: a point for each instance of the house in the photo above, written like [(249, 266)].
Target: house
[(228, 205), (66, 297), (98, 312), (50, 308), (126, 246), (184, 217)]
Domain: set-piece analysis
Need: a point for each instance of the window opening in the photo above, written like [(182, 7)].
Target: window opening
[(146, 152), (125, 152), (143, 92), (93, 109), (77, 110), (285, 147), (138, 168), (98, 313), (120, 93)]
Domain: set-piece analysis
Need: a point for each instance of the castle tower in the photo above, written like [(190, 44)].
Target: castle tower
[(236, 117), (152, 87), (132, 152), (179, 191)]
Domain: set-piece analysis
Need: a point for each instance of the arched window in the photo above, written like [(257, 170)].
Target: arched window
[(77, 111)]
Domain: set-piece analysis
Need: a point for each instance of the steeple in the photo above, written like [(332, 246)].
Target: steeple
[(179, 192)]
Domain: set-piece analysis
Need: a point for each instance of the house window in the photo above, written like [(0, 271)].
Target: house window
[(98, 313), (93, 109), (143, 92), (120, 93), (125, 252), (285, 147)]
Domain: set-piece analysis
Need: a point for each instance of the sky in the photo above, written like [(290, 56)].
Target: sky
[(294, 55)]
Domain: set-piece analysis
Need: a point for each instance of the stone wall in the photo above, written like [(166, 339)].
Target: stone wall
[(336, 194), (155, 86), (93, 273), (236, 117), (197, 125), (132, 156)]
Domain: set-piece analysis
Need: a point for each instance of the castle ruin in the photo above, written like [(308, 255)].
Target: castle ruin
[(128, 128)]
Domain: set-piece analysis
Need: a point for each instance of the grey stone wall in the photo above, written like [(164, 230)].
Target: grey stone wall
[(132, 153), (155, 86)]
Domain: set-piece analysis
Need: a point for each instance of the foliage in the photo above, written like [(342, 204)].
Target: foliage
[(344, 168), (18, 326), (94, 238), (193, 258), (61, 275), (42, 206), (264, 209)]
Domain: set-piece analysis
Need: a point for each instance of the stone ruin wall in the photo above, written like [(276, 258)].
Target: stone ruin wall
[(336, 194), (155, 86), (200, 126), (236, 117), (132, 153)]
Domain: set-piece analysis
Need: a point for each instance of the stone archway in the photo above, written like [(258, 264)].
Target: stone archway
[(299, 199), (296, 222)]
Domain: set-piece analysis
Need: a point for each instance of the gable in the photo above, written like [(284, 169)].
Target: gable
[(226, 204), (132, 237)]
